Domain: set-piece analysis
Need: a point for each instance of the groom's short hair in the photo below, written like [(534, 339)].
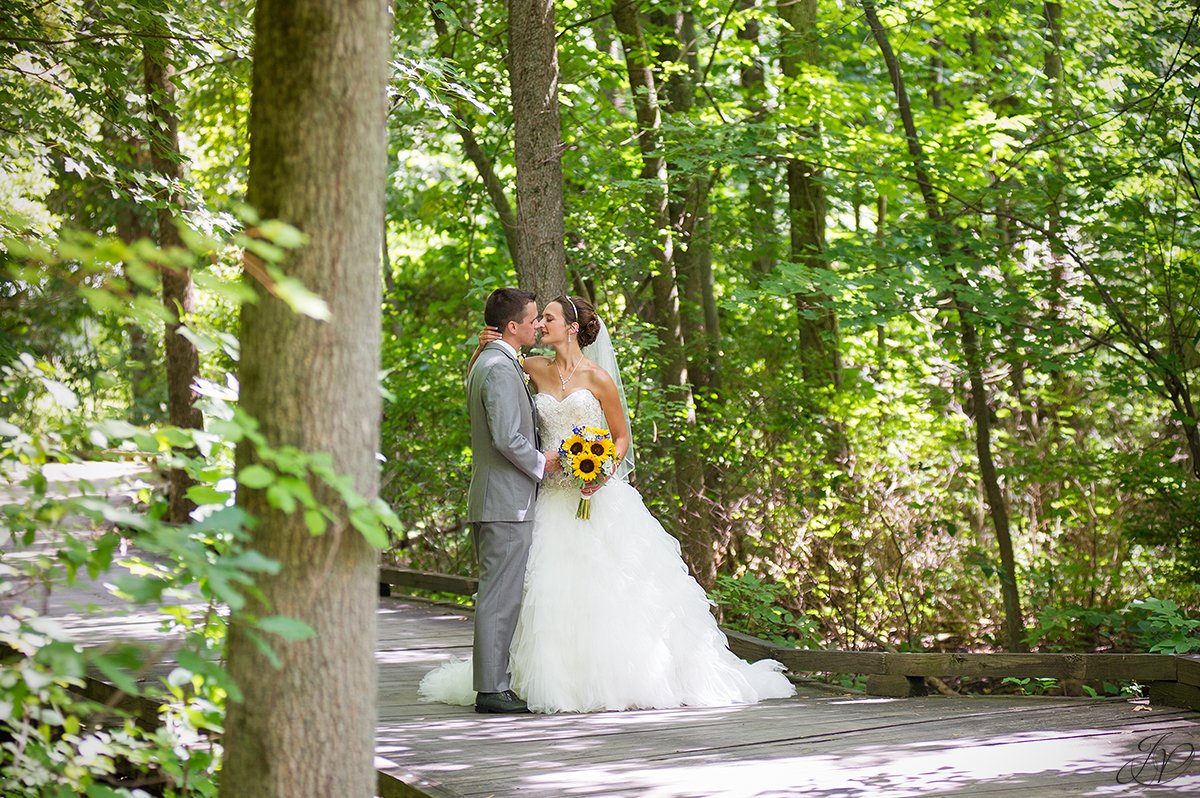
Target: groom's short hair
[(505, 305)]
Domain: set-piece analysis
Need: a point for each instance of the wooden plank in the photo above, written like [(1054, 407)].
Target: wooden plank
[(1188, 669), (1175, 694), (1141, 667), (798, 660), (426, 580), (394, 782), (896, 686)]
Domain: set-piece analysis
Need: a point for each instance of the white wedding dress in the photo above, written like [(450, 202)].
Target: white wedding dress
[(610, 617)]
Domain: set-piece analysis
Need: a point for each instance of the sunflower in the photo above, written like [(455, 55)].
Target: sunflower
[(586, 466), (575, 445), (602, 448)]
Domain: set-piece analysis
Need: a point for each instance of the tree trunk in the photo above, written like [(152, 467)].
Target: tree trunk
[(881, 350), (183, 362), (1014, 620), (760, 200), (1054, 203), (694, 528), (133, 224), (821, 360), (318, 152), (483, 164), (688, 210), (533, 78)]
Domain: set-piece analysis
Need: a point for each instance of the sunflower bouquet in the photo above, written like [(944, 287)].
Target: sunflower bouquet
[(587, 454)]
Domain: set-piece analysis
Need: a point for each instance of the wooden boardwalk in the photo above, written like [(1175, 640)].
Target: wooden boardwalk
[(817, 744)]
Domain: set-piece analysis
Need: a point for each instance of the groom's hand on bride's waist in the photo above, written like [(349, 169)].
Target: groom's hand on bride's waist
[(552, 462)]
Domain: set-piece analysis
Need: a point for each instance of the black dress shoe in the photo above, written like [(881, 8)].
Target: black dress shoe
[(505, 703)]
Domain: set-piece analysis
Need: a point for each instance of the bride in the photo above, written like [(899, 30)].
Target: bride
[(610, 617)]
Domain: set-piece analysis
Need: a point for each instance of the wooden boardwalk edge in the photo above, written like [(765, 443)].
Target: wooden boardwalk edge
[(396, 783)]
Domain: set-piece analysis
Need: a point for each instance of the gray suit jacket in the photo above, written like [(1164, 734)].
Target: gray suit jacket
[(504, 444)]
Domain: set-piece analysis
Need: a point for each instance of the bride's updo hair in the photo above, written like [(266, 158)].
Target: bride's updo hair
[(577, 310)]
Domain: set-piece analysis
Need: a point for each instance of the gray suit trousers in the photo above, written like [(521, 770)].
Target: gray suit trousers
[(502, 550)]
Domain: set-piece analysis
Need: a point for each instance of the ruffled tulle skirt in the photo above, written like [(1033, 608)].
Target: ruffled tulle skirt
[(611, 619)]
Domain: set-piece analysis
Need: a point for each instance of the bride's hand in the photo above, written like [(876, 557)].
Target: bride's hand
[(487, 335)]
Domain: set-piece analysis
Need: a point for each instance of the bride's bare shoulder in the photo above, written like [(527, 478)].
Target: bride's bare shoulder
[(598, 376)]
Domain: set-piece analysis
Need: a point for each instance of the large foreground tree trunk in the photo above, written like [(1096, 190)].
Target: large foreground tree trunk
[(183, 362), (317, 155), (533, 78), (1014, 622)]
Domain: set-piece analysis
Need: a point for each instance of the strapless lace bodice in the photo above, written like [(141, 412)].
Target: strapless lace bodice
[(557, 418)]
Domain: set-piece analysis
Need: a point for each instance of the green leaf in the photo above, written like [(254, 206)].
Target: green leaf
[(61, 394), (254, 562), (290, 629), (235, 292), (203, 343), (264, 648), (176, 437), (315, 522), (205, 494), (231, 431), (140, 589), (62, 658), (118, 673), (283, 234), (301, 300), (365, 521), (281, 498), (255, 477), (115, 428)]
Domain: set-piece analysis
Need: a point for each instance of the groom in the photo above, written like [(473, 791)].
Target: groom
[(507, 469)]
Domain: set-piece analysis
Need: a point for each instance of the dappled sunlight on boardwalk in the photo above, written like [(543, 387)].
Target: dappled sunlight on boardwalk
[(812, 745)]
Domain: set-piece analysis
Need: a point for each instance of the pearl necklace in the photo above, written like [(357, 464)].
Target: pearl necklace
[(564, 380)]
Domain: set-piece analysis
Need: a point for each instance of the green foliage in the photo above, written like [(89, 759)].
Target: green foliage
[(753, 606), (1151, 625), (1032, 685), (58, 538), (54, 743)]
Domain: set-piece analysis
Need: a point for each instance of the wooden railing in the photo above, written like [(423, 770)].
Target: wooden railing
[(1172, 680)]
